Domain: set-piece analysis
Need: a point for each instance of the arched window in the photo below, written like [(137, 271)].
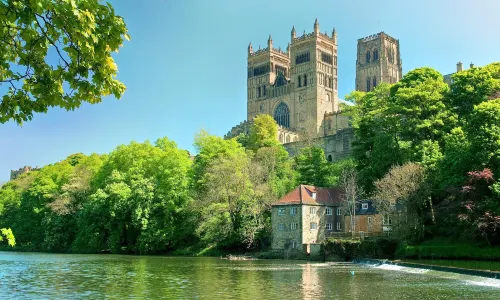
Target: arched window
[(329, 158), (367, 84), (375, 55), (282, 115), (368, 56), (300, 81), (374, 81), (328, 97), (305, 80)]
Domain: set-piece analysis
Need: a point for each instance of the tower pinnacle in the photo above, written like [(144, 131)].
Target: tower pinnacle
[(316, 26), (294, 34)]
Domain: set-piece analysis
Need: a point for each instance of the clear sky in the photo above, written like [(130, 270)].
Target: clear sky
[(185, 67)]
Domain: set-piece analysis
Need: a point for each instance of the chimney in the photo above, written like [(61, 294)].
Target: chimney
[(471, 65), (459, 66)]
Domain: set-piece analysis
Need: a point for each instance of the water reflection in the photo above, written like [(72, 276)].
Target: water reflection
[(32, 276)]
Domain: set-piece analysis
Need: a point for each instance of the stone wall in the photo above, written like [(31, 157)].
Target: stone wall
[(321, 219), (284, 238)]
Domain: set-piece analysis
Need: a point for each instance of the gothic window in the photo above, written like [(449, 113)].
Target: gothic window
[(335, 60), (305, 80), (375, 55), (282, 115), (330, 85), (368, 56), (258, 92), (264, 91), (374, 81), (300, 81), (367, 84), (260, 70), (329, 158), (335, 83), (302, 58), (327, 97), (326, 58)]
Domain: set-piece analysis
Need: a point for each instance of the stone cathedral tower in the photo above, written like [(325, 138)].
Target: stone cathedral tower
[(378, 60), (297, 86)]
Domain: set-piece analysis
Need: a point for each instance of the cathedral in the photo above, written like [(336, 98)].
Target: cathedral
[(299, 86)]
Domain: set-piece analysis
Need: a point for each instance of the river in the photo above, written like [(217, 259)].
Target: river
[(68, 276)]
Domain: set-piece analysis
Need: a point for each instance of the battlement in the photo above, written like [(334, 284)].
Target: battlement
[(16, 173), (375, 36)]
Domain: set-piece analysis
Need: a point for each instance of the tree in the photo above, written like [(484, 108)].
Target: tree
[(403, 186), (57, 54), (263, 132), (351, 194), (313, 168), (6, 233)]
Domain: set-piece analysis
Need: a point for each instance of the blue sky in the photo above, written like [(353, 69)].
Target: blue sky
[(185, 67)]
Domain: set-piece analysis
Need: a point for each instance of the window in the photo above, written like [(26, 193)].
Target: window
[(326, 58), (288, 139), (368, 84), (294, 226), (281, 226), (329, 226), (281, 211), (339, 211), (339, 227), (369, 220), (281, 138), (335, 60), (329, 158), (314, 226), (387, 220), (367, 56), (374, 82), (328, 211), (302, 58), (282, 115), (364, 206), (299, 80), (293, 211), (305, 80), (312, 210), (328, 100), (264, 90), (295, 244), (258, 92), (375, 55), (314, 195)]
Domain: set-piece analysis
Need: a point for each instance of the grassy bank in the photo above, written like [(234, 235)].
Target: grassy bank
[(443, 249)]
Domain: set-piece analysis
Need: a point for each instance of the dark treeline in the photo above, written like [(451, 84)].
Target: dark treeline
[(431, 148)]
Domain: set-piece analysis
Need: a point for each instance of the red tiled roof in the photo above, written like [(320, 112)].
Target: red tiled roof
[(303, 194)]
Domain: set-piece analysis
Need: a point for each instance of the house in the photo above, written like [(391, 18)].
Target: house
[(305, 217), (367, 221)]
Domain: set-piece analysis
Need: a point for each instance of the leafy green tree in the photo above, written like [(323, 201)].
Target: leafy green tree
[(263, 132), (313, 168), (80, 34)]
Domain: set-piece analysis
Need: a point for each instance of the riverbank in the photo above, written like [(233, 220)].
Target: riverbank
[(448, 250)]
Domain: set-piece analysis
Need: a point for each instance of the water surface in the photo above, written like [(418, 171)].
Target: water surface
[(35, 276)]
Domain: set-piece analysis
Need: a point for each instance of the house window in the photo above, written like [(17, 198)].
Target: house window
[(293, 211), (387, 220), (328, 211), (294, 226), (312, 210), (281, 227), (281, 211), (329, 226), (295, 244), (364, 206), (314, 226), (339, 211), (369, 220), (339, 227)]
